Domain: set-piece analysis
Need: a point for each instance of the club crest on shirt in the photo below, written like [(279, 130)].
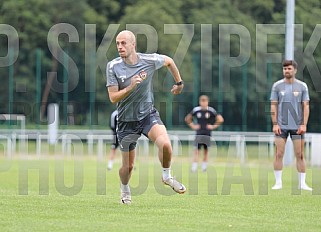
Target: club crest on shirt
[(207, 115), (282, 93), (143, 74), (295, 93)]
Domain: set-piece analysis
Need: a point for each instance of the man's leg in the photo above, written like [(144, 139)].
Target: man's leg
[(114, 146), (125, 172), (111, 158), (127, 166), (205, 143), (205, 159), (195, 159), (158, 135), (278, 161), (298, 145)]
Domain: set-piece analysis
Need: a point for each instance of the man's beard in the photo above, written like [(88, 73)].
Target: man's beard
[(288, 76)]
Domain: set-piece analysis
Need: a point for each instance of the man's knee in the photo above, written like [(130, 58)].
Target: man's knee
[(299, 155), (279, 155), (127, 167), (167, 147), (164, 143)]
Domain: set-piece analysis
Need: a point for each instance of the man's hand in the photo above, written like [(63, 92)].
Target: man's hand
[(276, 129), (135, 80), (302, 129), (194, 126), (177, 89), (211, 127)]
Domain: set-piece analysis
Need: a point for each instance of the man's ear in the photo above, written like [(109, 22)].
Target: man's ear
[(295, 71)]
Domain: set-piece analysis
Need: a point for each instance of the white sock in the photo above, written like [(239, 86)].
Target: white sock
[(166, 173), (301, 176), (204, 165), (278, 176), (110, 164), (125, 188), (194, 166)]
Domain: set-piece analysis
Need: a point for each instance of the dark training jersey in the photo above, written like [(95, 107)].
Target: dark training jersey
[(204, 117), (140, 102)]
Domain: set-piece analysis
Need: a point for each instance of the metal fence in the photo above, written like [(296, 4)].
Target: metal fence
[(95, 141)]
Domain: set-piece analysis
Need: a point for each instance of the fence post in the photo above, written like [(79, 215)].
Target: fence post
[(315, 150)]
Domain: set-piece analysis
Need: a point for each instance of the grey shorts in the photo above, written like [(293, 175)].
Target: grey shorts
[(292, 133), (202, 141), (129, 132)]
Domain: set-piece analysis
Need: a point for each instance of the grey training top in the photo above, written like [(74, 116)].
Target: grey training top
[(140, 102), (290, 98)]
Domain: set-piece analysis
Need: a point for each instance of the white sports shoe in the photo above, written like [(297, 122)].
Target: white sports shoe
[(277, 186), (175, 185), (125, 198), (305, 187)]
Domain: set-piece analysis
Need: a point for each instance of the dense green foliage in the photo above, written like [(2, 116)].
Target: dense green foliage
[(94, 23)]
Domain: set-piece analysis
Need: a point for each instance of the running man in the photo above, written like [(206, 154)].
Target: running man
[(207, 119), (115, 144), (129, 84), (290, 114)]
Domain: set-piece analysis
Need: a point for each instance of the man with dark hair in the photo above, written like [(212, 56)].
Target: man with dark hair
[(287, 63), (290, 114), (129, 84), (206, 119)]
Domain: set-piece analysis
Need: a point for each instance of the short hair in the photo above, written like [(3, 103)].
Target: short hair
[(290, 62), (129, 35), (203, 97)]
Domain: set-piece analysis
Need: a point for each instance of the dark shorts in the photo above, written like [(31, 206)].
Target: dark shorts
[(129, 132), (115, 143), (292, 133), (202, 141)]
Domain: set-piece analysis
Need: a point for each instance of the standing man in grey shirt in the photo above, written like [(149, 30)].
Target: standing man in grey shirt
[(290, 114), (129, 84)]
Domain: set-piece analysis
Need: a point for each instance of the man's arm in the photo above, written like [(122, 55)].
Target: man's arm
[(274, 112), (170, 64), (274, 117), (306, 113), (218, 121), (189, 122), (116, 95)]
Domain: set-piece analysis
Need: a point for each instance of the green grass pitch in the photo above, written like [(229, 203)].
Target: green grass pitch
[(81, 195)]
